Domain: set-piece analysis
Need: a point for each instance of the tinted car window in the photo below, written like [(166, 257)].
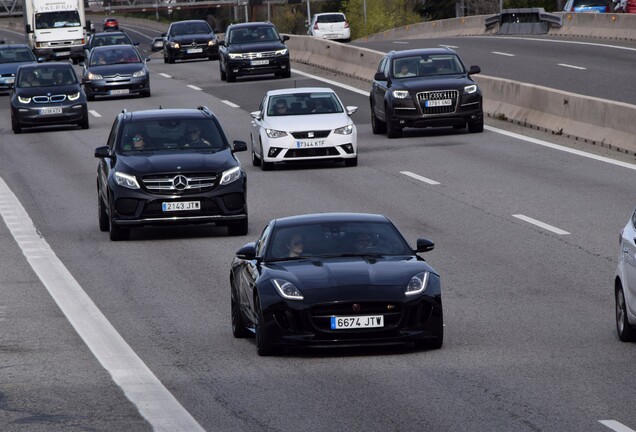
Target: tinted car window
[(157, 133), (12, 55), (332, 18)]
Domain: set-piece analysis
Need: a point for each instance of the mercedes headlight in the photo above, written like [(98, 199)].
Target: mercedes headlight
[(126, 180), (230, 175)]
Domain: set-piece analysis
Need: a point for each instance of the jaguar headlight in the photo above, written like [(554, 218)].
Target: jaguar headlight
[(287, 290), (417, 284), (126, 180), (400, 94)]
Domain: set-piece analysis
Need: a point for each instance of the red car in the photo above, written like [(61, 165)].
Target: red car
[(111, 24)]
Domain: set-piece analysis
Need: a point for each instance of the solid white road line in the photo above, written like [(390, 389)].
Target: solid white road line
[(154, 402), (233, 105), (541, 224), (94, 113), (194, 87), (572, 66), (503, 54), (419, 177), (615, 426), (561, 148)]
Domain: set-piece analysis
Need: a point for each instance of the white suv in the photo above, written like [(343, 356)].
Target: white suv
[(331, 25), (625, 283)]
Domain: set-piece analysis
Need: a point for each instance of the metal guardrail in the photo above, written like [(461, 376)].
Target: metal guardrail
[(523, 21)]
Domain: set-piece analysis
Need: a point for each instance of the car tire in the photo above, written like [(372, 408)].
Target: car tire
[(116, 233), (263, 348), (626, 332), (256, 161), (377, 126), (285, 74), (266, 166), (230, 76), (102, 214), (351, 162), (476, 127), (392, 131), (90, 97), (146, 93), (222, 72), (239, 330), (84, 124), (15, 125), (165, 59), (237, 228)]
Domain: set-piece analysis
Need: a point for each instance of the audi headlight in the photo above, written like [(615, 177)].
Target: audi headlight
[(126, 180), (139, 73), (281, 51), (287, 290), (345, 130), (470, 89), (74, 96), (400, 94), (230, 175), (93, 76), (417, 284), (273, 133), (24, 100)]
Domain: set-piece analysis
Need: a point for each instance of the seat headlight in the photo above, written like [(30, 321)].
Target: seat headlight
[(417, 284), (126, 180), (345, 130), (470, 89), (287, 290), (139, 73), (400, 94), (230, 175), (273, 133), (24, 100), (93, 76), (74, 96)]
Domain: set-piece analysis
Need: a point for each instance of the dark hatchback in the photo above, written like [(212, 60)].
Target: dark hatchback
[(425, 88), (192, 39), (47, 94), (254, 48), (115, 71), (12, 56), (335, 279), (106, 39), (169, 181)]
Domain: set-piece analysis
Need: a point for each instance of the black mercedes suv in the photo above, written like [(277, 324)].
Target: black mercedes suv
[(189, 39), (169, 167), (425, 88), (254, 48)]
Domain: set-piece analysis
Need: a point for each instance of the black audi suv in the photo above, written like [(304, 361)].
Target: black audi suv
[(425, 88), (169, 167)]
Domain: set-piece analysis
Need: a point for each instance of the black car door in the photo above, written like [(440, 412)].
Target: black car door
[(380, 87)]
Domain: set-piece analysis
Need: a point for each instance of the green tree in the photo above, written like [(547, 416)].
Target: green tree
[(380, 15)]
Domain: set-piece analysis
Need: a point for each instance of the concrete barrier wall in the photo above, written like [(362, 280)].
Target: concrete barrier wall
[(599, 121)]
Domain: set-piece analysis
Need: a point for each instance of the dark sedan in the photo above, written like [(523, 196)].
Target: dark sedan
[(12, 56), (192, 39), (335, 279), (421, 88), (115, 71), (47, 94)]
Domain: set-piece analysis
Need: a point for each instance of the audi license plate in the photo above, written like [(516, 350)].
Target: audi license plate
[(259, 62), (47, 111), (119, 91), (181, 206), (340, 323), (194, 50), (437, 103), (306, 144)]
